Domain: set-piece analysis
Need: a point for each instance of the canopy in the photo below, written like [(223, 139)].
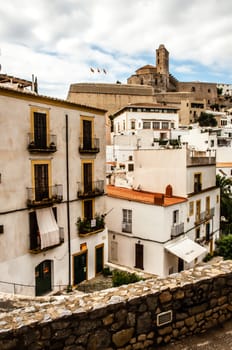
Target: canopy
[(48, 228), (185, 249)]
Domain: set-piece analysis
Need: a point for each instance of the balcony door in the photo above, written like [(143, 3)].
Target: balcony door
[(40, 130), (87, 177), (41, 182), (88, 209), (87, 134)]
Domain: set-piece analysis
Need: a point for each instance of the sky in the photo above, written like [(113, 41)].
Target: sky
[(62, 42)]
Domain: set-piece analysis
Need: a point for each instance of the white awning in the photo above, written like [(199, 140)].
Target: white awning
[(48, 228), (185, 249)]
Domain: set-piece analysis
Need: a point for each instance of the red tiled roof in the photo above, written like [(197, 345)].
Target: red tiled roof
[(143, 196)]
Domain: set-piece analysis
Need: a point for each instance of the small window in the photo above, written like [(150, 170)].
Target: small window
[(131, 167), (132, 124), (198, 233), (146, 125), (156, 125), (191, 208), (126, 220), (175, 216), (164, 125), (193, 89)]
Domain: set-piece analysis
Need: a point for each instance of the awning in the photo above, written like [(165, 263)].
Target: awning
[(48, 228), (185, 249)]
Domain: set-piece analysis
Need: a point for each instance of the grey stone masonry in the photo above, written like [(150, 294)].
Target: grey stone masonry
[(143, 315)]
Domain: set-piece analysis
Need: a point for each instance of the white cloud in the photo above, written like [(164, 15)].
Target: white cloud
[(60, 40)]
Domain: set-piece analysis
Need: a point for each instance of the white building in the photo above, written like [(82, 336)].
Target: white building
[(169, 219), (52, 171)]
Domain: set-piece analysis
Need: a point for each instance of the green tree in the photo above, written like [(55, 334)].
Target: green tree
[(225, 185), (207, 119), (224, 247)]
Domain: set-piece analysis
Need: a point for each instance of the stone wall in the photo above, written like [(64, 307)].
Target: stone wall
[(124, 318)]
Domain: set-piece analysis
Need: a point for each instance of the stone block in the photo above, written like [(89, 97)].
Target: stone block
[(122, 337)]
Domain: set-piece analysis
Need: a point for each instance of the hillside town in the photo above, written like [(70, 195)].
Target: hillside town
[(118, 176)]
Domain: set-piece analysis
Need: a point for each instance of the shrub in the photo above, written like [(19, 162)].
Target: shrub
[(122, 277), (224, 247)]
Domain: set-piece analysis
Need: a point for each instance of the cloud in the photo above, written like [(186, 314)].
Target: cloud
[(60, 40)]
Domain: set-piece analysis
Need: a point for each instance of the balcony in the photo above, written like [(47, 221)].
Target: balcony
[(198, 158), (40, 197), (89, 145), (93, 189), (204, 216), (90, 226), (35, 246), (177, 230), (43, 144), (127, 227)]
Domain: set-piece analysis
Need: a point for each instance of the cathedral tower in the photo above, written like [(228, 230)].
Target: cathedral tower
[(162, 60)]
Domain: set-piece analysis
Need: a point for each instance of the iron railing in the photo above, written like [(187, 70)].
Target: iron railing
[(89, 145), (48, 143), (35, 246), (91, 189), (37, 196)]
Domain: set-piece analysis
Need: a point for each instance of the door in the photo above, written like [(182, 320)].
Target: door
[(99, 258), (40, 130), (180, 264), (139, 256), (80, 267), (87, 178), (87, 134), (43, 278), (41, 182)]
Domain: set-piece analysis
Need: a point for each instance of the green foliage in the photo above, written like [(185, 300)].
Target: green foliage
[(122, 277), (207, 119), (208, 257), (84, 225), (106, 272), (225, 185), (224, 247)]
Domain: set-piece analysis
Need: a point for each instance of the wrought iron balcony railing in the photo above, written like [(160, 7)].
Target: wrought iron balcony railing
[(92, 189), (90, 226), (177, 229), (127, 227), (35, 246), (43, 196), (46, 143), (205, 215), (89, 145)]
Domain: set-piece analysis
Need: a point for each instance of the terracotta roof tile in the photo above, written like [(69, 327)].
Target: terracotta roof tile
[(143, 196)]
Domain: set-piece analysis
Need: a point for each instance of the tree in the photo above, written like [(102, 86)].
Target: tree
[(225, 185), (224, 247), (207, 119)]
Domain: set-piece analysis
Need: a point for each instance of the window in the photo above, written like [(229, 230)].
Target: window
[(198, 210), (175, 216), (197, 182), (131, 167), (156, 125), (132, 124), (40, 129), (191, 208), (212, 143), (127, 220), (88, 209), (198, 233), (41, 174), (207, 232), (87, 177), (164, 125), (130, 158), (146, 125), (207, 205)]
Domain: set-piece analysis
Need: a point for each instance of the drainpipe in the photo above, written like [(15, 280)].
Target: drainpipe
[(69, 288)]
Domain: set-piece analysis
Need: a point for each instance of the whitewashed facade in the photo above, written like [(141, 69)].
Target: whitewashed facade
[(52, 171), (184, 210)]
